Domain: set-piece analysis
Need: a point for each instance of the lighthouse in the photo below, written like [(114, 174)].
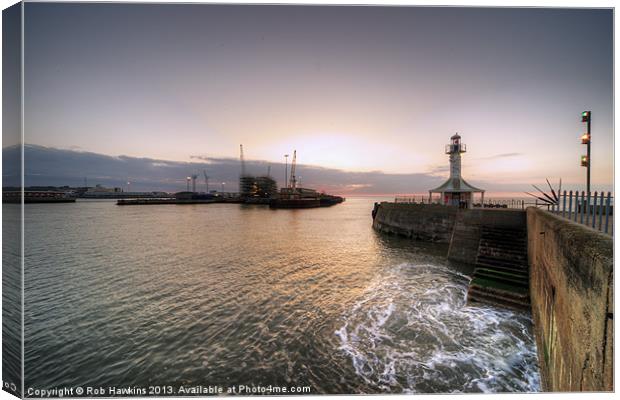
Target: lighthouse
[(456, 191)]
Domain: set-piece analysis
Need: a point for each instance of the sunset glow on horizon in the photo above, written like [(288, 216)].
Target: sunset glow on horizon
[(357, 89)]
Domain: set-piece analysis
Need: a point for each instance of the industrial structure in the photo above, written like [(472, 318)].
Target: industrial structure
[(455, 191), (295, 196), (255, 187)]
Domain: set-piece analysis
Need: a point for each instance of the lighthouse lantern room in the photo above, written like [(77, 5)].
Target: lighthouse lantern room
[(456, 191)]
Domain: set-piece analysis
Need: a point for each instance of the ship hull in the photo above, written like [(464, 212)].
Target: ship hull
[(295, 203)]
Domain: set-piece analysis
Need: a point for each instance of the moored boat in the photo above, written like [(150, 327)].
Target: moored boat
[(329, 200), (295, 203)]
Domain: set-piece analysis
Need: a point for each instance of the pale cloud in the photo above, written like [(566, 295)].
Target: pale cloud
[(505, 155), (50, 166)]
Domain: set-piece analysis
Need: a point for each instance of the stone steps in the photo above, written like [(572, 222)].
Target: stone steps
[(501, 262), (518, 279), (513, 269), (508, 244), (481, 294), (502, 231), (503, 241), (497, 255), (501, 275), (508, 247)]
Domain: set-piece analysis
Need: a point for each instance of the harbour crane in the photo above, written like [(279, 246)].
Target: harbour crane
[(293, 183), (286, 170), (194, 177), (242, 160)]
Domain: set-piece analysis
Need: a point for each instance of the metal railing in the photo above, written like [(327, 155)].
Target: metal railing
[(502, 203), (488, 203), (406, 199), (591, 209), (420, 199)]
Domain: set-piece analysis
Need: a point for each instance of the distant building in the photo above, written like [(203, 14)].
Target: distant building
[(455, 191), (194, 196), (299, 193), (100, 189), (101, 192), (257, 186)]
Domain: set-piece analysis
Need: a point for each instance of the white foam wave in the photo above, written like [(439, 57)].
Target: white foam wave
[(412, 332)]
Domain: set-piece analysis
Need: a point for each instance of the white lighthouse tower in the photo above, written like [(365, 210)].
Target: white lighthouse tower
[(455, 191)]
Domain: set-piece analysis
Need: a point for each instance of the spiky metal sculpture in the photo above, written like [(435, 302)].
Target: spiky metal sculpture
[(551, 199)]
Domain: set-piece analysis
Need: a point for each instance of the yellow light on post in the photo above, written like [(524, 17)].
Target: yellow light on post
[(585, 138)]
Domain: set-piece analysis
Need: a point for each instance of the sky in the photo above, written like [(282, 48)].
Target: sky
[(46, 166), (352, 89)]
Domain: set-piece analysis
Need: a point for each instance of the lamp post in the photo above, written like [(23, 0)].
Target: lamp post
[(286, 170), (586, 138)]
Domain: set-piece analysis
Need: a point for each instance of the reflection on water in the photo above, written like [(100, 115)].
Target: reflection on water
[(11, 298), (225, 294)]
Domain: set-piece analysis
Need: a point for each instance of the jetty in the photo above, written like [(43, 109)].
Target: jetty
[(36, 196), (138, 202), (534, 260), (531, 260)]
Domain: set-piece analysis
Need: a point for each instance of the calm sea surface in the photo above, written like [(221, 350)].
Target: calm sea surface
[(226, 294)]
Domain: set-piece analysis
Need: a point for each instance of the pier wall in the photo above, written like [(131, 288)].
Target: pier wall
[(468, 228), (571, 282), (571, 290), (461, 228), (429, 222)]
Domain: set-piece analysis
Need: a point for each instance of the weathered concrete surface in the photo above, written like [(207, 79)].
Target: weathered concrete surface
[(468, 228), (429, 222), (459, 227), (501, 276), (571, 282), (571, 289)]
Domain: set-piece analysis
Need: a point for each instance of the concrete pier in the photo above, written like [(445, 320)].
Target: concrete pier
[(570, 270), (461, 228), (572, 296)]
